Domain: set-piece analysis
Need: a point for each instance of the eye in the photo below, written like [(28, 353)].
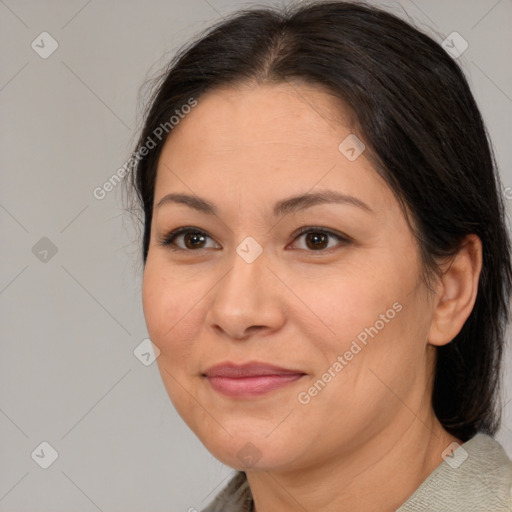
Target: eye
[(318, 239), (191, 239)]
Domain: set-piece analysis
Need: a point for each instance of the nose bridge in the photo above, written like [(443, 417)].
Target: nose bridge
[(247, 273), (244, 297)]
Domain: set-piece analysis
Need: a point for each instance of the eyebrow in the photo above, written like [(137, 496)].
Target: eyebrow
[(281, 208)]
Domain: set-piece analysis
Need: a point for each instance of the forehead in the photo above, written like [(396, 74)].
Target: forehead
[(251, 114), (261, 139)]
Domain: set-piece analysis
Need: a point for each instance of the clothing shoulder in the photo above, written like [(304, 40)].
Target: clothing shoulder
[(476, 477), (235, 497)]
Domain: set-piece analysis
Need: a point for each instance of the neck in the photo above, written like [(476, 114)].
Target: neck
[(378, 476)]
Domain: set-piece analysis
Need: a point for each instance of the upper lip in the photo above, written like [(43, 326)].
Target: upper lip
[(251, 369)]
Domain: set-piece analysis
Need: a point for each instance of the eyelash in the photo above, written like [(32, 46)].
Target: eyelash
[(167, 240)]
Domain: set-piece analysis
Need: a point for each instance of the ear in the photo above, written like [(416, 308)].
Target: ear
[(456, 292)]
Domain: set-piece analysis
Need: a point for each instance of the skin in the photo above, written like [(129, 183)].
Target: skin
[(369, 438)]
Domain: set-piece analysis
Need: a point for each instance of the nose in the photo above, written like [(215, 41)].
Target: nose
[(247, 300)]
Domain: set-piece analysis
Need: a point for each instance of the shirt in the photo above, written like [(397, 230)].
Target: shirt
[(476, 477)]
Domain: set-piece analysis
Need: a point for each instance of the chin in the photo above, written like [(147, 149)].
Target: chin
[(248, 450)]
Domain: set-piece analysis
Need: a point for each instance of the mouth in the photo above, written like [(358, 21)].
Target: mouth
[(250, 379)]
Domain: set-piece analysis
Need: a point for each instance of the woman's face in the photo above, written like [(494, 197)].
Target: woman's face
[(342, 306)]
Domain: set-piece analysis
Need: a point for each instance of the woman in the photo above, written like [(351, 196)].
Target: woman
[(326, 263)]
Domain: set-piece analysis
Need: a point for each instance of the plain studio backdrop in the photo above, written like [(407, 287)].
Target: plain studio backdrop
[(72, 386)]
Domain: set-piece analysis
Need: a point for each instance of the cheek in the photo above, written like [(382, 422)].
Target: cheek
[(172, 310), (337, 308), (375, 320)]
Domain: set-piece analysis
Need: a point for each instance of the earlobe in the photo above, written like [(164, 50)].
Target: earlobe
[(456, 292)]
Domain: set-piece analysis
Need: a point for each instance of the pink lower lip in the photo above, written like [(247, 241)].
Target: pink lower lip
[(251, 386)]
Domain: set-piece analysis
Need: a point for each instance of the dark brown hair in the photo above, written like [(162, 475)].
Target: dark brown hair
[(423, 132)]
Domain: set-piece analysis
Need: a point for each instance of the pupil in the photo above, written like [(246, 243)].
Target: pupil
[(318, 240), (193, 239)]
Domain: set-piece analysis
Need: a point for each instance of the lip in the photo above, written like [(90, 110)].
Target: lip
[(250, 369), (249, 379)]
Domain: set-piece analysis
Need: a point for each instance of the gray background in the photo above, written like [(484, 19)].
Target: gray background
[(70, 321)]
